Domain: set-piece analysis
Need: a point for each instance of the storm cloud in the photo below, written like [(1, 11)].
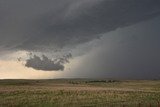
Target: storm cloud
[(55, 24), (47, 64), (107, 38)]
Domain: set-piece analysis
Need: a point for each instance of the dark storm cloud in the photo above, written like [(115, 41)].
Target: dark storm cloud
[(54, 24), (40, 25), (47, 64)]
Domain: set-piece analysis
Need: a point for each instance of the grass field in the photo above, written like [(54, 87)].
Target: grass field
[(79, 93)]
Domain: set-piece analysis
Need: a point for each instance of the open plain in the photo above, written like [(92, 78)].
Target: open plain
[(79, 93)]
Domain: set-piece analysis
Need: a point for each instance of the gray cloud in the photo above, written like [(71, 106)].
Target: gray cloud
[(55, 24), (62, 25), (47, 64)]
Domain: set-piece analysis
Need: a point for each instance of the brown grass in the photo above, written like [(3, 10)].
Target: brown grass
[(50, 93)]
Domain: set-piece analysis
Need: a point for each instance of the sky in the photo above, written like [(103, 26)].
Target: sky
[(47, 39)]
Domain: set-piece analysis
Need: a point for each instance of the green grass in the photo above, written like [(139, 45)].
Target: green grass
[(79, 93)]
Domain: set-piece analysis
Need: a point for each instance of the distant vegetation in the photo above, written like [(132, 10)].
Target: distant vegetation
[(92, 81), (79, 93)]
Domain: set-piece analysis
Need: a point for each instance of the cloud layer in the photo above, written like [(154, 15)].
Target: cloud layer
[(55, 24), (52, 28)]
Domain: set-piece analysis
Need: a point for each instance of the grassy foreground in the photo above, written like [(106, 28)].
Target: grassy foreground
[(79, 93)]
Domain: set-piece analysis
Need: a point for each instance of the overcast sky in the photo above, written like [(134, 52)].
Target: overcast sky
[(80, 39)]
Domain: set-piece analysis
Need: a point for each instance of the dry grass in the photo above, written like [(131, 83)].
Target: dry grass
[(79, 93)]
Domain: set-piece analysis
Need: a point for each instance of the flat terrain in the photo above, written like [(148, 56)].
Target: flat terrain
[(79, 93)]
